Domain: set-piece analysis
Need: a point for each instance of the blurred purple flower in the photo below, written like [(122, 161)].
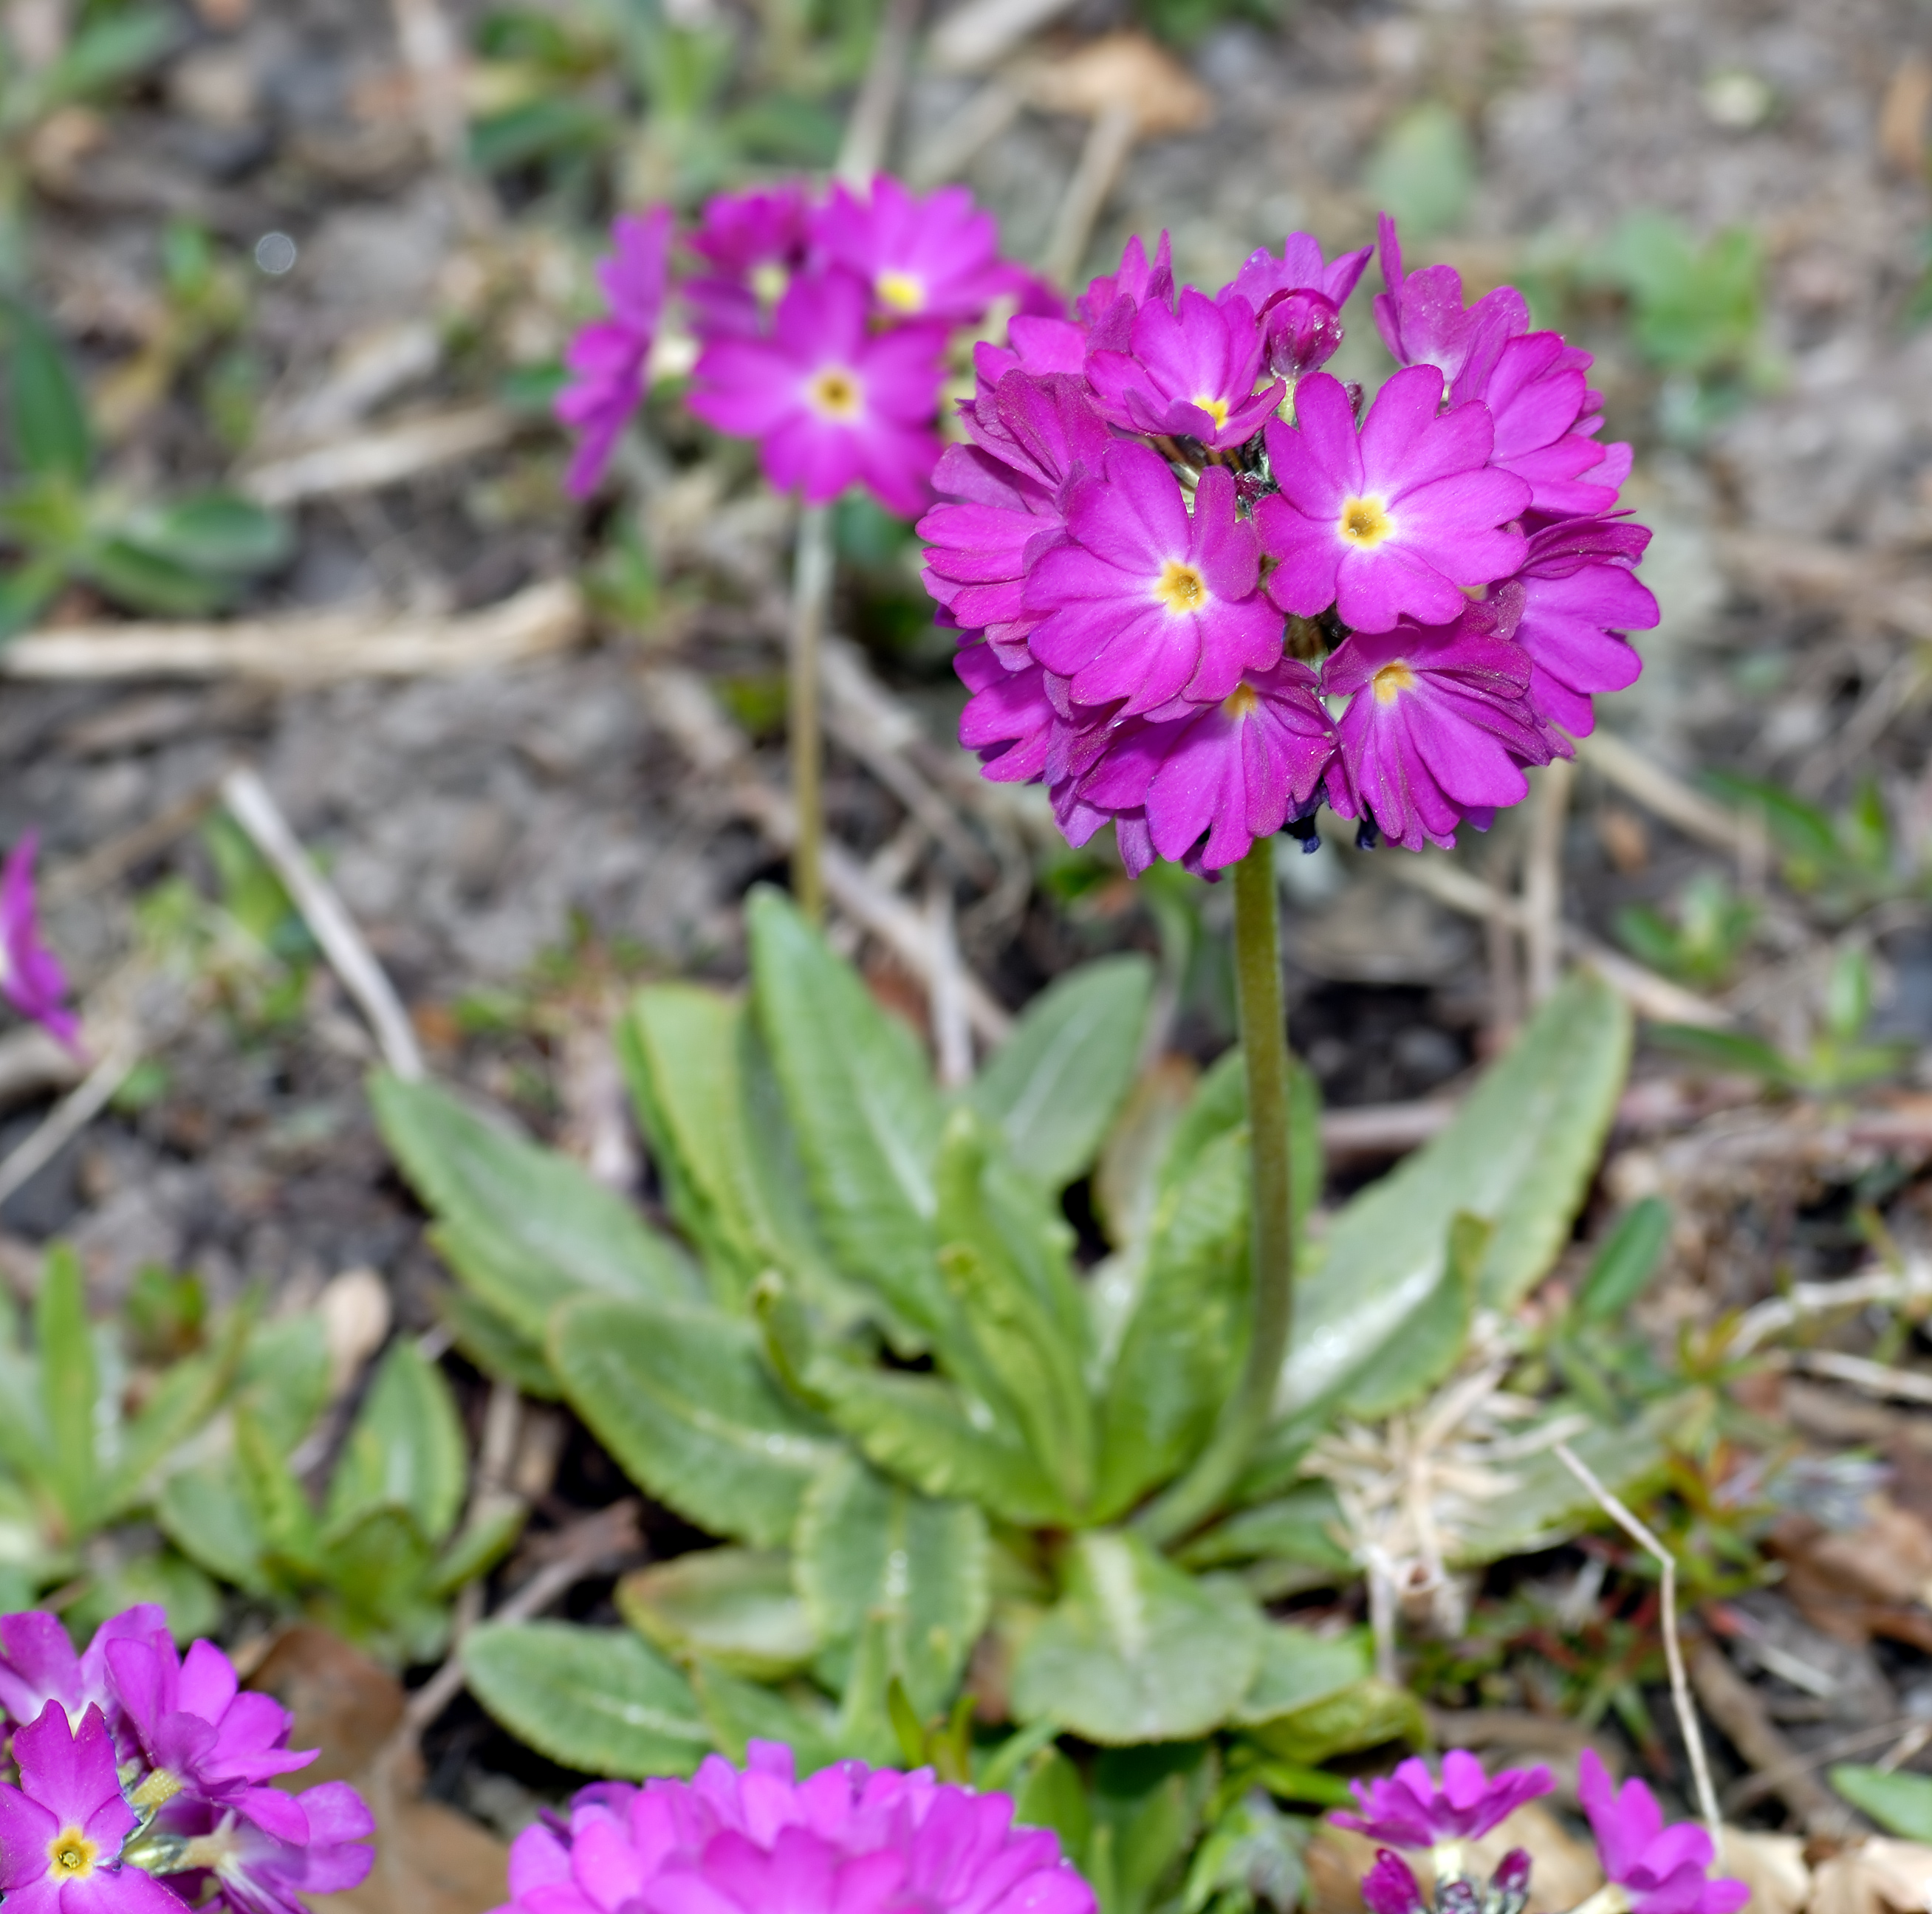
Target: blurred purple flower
[(1661, 1870), (31, 976), (1390, 1887), (936, 257), (38, 1663), (752, 243), (1411, 1808)]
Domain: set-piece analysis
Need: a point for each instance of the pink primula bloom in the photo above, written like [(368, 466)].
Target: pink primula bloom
[(1191, 373), (851, 1840), (1143, 602), (38, 1663), (1423, 321), (1231, 772), (1264, 279), (936, 257), (1009, 719), (1661, 1870), (751, 243), (831, 402), (31, 976), (258, 1873), (1537, 396), (1392, 522), (1579, 595), (1411, 1808), (1109, 303), (608, 359), (1390, 1887), (61, 1829), (1436, 730), (192, 1720)]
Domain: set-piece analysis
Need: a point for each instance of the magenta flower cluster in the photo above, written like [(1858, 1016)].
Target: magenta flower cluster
[(31, 977), (1201, 590), (1648, 1868), (848, 1840), (144, 1781), (823, 329)]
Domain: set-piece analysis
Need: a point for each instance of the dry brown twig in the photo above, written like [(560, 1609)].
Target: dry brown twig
[(1543, 878), (1673, 1647), (384, 455)]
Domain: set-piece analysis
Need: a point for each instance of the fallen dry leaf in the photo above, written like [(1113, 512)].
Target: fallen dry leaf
[(1121, 67), (1855, 1583), (1901, 116), (1772, 1866), (1882, 1877)]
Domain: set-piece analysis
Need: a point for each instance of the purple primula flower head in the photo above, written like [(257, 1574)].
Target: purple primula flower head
[(38, 1663), (1437, 731), (851, 1840), (31, 976), (1228, 772), (1580, 595), (1652, 1869), (62, 1829), (1422, 322), (832, 402), (259, 1873), (1142, 601), (751, 244), (1390, 1887), (936, 257), (609, 359), (1394, 521), (204, 1737), (1190, 373), (1411, 1808)]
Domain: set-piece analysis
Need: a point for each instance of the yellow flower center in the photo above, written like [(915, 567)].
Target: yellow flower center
[(1391, 681), (769, 281), (72, 1854), (1365, 522), (836, 393), (1216, 408), (901, 291), (1180, 588), (1241, 700)]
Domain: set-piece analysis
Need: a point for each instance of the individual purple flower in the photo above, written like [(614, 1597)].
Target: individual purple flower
[(1142, 601), (38, 1663), (1297, 300), (1422, 322), (851, 1840), (936, 257), (831, 402), (1390, 1887), (1659, 1870), (1395, 521), (61, 1830), (1437, 731), (1580, 595), (1108, 306), (751, 243), (1230, 772), (1190, 373), (31, 976), (258, 1873), (1411, 1809), (204, 1736), (1010, 718), (1538, 398), (608, 358)]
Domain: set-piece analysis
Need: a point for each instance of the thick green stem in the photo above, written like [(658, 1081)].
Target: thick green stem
[(810, 599), (1264, 1051)]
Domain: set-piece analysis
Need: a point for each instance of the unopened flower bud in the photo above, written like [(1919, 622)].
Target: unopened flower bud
[(1302, 330), (1390, 1888), (1509, 1885)]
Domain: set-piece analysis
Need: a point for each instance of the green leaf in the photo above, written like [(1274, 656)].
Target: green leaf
[(220, 534), (868, 1549), (146, 580), (69, 1388), (108, 50), (710, 1109), (278, 1510), (1126, 1181), (599, 1700), (737, 1711), (921, 1428), (482, 1542), (680, 1397), (863, 1105), (206, 1513), (1625, 1262), (1007, 1271), (1302, 1526), (406, 1450), (491, 1341), (1186, 1337), (1726, 1050), (284, 1380), (1057, 1082), (735, 1606), (525, 1227), (1136, 1650), (1423, 170), (1519, 1153), (375, 1566), (188, 1393), (1901, 1804), (1298, 1669), (1364, 1714), (192, 1602), (46, 410), (1431, 1342)]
